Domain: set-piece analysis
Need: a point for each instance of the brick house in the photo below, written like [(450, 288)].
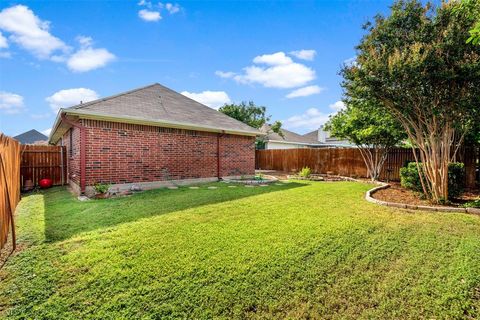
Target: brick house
[(151, 137)]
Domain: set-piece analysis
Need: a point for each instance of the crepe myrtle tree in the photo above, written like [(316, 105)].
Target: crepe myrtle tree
[(416, 65), (471, 8), (371, 129), (253, 115)]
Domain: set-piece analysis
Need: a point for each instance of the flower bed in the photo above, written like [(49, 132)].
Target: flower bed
[(320, 177), (264, 179)]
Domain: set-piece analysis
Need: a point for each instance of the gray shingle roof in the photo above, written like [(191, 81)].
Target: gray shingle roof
[(156, 103), (312, 136), (288, 136), (30, 137)]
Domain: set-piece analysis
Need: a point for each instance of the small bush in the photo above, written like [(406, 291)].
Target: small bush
[(472, 204), (410, 179), (259, 177), (305, 172), (456, 179), (102, 188)]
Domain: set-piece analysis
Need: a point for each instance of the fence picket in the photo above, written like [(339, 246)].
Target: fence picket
[(40, 162), (349, 162), (9, 186)]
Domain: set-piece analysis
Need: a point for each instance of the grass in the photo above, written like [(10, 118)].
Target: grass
[(299, 250)]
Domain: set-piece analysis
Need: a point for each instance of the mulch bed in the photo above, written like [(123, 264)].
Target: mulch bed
[(398, 194)]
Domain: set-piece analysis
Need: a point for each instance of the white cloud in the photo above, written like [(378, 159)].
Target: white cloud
[(273, 59), (30, 32), (145, 3), (309, 120), (212, 99), (351, 61), (337, 106), (281, 76), (5, 54), (313, 118), (225, 75), (172, 8), (152, 13), (70, 97), (88, 58), (304, 54), (10, 103), (304, 92), (84, 41), (3, 41), (47, 131), (148, 15), (275, 71)]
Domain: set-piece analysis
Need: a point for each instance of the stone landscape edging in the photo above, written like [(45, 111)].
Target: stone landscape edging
[(383, 185)]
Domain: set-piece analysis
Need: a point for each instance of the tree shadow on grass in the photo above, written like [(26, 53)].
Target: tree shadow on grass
[(65, 216)]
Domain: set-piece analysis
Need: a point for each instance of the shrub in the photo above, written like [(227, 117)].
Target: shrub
[(259, 177), (410, 179), (472, 204), (305, 172), (101, 187), (456, 179)]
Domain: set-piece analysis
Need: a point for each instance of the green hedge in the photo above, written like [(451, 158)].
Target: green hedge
[(410, 179)]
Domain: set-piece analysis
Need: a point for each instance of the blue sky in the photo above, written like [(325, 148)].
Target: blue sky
[(283, 55)]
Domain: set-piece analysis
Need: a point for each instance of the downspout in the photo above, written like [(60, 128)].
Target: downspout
[(219, 135), (83, 139)]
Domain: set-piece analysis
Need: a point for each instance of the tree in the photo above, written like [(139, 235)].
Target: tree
[(253, 115), (373, 131), (472, 9), (416, 65)]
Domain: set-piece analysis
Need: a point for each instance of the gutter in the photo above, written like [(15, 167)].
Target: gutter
[(83, 140), (313, 144), (149, 122)]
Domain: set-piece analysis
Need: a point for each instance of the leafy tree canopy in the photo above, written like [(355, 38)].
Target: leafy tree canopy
[(248, 113), (253, 115), (372, 129), (472, 9), (417, 65), (366, 124)]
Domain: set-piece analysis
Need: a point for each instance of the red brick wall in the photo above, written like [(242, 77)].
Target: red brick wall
[(237, 155), (73, 154), (126, 153)]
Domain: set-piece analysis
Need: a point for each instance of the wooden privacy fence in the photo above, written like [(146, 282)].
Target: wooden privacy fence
[(349, 162), (39, 162), (9, 186)]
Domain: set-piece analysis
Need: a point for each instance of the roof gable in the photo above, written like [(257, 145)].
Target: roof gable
[(288, 136), (30, 137), (158, 103)]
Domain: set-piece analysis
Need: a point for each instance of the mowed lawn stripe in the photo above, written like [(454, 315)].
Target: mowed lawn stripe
[(297, 250)]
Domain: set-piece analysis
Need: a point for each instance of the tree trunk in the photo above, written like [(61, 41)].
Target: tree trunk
[(374, 158), (436, 151)]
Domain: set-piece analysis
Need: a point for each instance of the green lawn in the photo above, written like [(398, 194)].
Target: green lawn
[(298, 250)]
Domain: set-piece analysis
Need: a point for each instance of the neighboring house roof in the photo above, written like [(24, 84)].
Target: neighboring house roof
[(312, 136), (288, 136), (329, 140), (31, 137), (158, 106)]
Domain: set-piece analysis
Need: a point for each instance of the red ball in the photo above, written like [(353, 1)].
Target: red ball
[(45, 183)]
